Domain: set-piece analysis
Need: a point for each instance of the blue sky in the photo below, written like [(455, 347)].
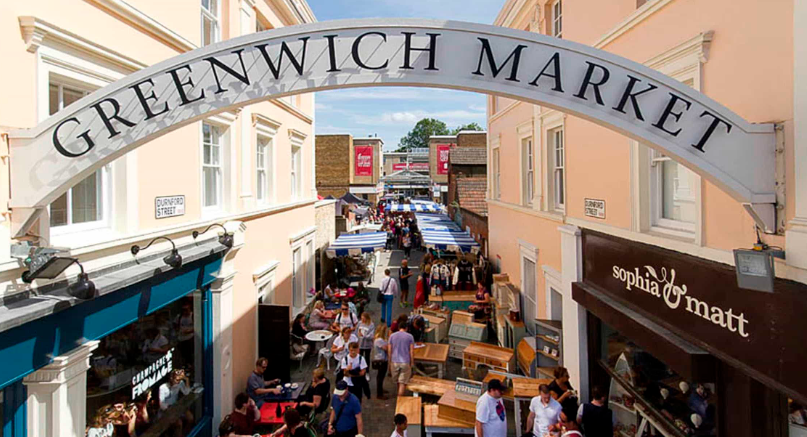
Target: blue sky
[(392, 112)]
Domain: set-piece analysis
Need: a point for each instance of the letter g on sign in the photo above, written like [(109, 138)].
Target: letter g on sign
[(84, 135)]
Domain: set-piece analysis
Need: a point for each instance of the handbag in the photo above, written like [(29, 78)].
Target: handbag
[(376, 364), (380, 297), (324, 424)]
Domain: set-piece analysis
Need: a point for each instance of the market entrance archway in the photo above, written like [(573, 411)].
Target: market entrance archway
[(737, 156)]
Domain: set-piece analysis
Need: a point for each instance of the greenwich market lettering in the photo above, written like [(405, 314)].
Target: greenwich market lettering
[(489, 64), (151, 375), (662, 285)]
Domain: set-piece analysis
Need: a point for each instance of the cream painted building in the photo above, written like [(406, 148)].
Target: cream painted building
[(560, 186), (251, 170)]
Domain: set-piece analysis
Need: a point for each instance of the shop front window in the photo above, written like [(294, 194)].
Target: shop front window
[(645, 394), (146, 379)]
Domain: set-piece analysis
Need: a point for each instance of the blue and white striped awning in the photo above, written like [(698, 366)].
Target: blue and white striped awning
[(356, 244), (452, 241), (438, 222), (414, 207)]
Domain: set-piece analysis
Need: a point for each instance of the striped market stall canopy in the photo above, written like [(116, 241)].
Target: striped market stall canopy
[(414, 207), (436, 222), (356, 244), (451, 241)]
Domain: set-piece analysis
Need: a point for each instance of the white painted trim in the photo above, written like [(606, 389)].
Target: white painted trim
[(137, 18), (261, 275), (37, 32), (528, 250), (642, 13), (553, 279), (509, 12), (551, 216), (297, 138), (294, 111), (296, 239), (502, 112)]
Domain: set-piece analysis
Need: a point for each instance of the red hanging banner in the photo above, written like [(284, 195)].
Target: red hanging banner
[(364, 161)]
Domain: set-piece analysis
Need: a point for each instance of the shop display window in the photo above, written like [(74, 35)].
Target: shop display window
[(649, 398), (146, 379)]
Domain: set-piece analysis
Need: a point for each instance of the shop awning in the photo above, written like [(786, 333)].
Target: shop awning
[(452, 241), (356, 244), (682, 356), (414, 207), (436, 222)]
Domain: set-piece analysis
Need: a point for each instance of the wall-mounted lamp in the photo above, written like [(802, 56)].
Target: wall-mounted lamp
[(83, 288), (173, 259), (225, 239)]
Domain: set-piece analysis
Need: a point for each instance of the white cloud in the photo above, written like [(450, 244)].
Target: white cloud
[(321, 107), (450, 117), (478, 108)]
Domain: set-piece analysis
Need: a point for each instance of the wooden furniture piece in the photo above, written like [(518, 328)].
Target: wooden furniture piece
[(430, 335), (463, 331), (497, 358), (440, 326), (549, 335), (509, 332), (454, 300), (425, 385), (432, 354), (412, 408), (434, 424), (525, 356), (451, 407)]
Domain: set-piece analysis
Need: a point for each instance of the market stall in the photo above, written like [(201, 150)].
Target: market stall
[(356, 254), (414, 207), (449, 240)]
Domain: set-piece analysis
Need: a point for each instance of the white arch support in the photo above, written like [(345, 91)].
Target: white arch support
[(737, 156)]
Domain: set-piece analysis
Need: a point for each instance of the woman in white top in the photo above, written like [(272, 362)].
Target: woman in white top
[(339, 346)]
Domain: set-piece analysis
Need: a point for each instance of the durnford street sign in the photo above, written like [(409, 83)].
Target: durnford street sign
[(735, 155)]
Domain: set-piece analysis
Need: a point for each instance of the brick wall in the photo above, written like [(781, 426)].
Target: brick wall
[(478, 225), (366, 180), (333, 164), (472, 140), (433, 142)]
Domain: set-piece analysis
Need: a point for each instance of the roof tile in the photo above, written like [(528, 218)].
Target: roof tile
[(468, 156), (471, 194)]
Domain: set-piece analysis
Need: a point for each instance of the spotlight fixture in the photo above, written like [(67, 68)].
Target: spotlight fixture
[(82, 289), (225, 239), (755, 267), (173, 259)]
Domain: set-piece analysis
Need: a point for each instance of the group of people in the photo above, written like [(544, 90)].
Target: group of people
[(554, 412), (402, 232)]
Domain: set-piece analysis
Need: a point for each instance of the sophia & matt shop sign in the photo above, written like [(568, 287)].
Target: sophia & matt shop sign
[(699, 301)]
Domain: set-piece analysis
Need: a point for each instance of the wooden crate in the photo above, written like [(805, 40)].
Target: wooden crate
[(449, 407)]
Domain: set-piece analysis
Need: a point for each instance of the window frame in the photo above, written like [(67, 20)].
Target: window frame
[(496, 167), (556, 176), (658, 222), (557, 18), (214, 17), (528, 252), (527, 155), (103, 175), (219, 206), (263, 164), (295, 175)]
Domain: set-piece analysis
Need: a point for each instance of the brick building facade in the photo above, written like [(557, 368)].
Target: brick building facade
[(336, 166), (467, 186)]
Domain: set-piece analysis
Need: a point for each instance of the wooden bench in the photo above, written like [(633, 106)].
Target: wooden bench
[(429, 386), (412, 408)]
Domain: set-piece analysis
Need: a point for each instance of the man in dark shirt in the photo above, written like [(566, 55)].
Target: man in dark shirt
[(257, 387), (404, 276), (597, 419), (245, 415)]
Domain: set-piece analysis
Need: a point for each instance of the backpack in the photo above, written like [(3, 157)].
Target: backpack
[(352, 318)]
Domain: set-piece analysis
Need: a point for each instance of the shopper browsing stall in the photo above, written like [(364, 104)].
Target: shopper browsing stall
[(544, 412), (562, 389), (491, 417)]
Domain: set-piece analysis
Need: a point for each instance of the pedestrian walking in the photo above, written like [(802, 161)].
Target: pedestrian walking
[(354, 369), (491, 417), (345, 419), (404, 274), (365, 332), (402, 357), (596, 418), (407, 242), (381, 359), (388, 290)]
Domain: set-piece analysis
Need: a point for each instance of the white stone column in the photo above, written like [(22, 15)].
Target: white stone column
[(796, 233), (222, 294), (575, 333), (57, 395)]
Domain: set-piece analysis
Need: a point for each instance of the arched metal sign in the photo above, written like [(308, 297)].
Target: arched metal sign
[(614, 92)]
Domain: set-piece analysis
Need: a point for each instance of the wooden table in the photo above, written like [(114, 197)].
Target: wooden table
[(434, 424), (411, 407), (429, 386), (432, 353)]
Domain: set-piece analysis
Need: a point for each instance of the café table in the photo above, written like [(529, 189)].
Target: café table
[(287, 396), (319, 337), (432, 354), (269, 410)]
